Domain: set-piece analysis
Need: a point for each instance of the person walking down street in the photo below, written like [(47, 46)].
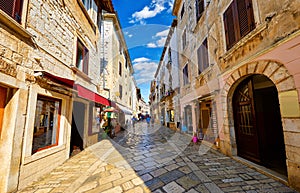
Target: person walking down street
[(133, 120), (148, 120)]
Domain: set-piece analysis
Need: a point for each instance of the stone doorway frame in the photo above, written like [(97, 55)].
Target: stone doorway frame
[(284, 82)]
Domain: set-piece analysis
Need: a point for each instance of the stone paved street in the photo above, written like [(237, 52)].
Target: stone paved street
[(153, 159)]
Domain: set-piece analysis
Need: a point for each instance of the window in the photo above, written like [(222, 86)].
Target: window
[(202, 54), (13, 8), (238, 21), (199, 8), (120, 91), (169, 55), (186, 74), (120, 68), (182, 11), (126, 64), (82, 61), (184, 39), (92, 9), (47, 122), (94, 118), (3, 95)]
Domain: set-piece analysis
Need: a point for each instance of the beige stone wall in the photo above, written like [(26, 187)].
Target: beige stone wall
[(46, 40), (276, 23)]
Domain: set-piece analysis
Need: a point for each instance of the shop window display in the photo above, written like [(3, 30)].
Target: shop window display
[(47, 121)]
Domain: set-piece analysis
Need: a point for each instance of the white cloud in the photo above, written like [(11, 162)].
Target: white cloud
[(140, 60), (151, 45), (162, 35), (130, 35), (149, 11), (144, 69)]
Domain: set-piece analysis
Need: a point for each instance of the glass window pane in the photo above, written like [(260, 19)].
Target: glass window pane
[(46, 126)]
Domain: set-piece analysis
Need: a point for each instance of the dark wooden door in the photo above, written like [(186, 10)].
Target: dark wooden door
[(245, 124)]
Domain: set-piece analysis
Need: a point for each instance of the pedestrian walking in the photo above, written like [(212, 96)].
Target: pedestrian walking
[(148, 120)]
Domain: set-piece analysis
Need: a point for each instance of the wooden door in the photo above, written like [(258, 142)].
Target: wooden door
[(3, 93), (245, 124)]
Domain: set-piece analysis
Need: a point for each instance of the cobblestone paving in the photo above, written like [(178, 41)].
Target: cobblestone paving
[(153, 159)]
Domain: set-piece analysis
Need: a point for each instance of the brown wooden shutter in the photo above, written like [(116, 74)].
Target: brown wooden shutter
[(205, 54), (199, 8), (86, 61), (245, 16), (7, 6), (199, 60), (229, 26)]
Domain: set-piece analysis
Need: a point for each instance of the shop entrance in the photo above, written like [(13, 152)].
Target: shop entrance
[(258, 126), (3, 93), (77, 130)]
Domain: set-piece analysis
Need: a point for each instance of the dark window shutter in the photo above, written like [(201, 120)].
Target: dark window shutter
[(86, 61), (202, 54), (205, 54), (199, 60), (229, 26), (199, 8), (7, 6), (245, 16)]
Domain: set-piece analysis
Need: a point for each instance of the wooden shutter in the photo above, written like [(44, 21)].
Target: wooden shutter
[(245, 17), (3, 92), (199, 8), (202, 57), (199, 55), (86, 61), (205, 54), (7, 6), (229, 22)]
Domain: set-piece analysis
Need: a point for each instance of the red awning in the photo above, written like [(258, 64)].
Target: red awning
[(57, 79), (90, 95)]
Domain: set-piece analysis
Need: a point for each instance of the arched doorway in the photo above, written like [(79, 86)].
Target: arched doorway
[(257, 121)]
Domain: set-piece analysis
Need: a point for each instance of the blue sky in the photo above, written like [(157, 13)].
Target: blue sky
[(145, 25)]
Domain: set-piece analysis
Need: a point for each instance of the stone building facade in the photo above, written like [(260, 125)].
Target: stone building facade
[(240, 79), (117, 75), (166, 85), (49, 78)]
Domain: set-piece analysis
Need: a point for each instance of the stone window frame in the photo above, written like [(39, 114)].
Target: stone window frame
[(92, 9), (82, 57), (13, 8), (17, 27)]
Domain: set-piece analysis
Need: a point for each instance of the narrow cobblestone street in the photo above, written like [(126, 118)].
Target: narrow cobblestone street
[(153, 159)]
